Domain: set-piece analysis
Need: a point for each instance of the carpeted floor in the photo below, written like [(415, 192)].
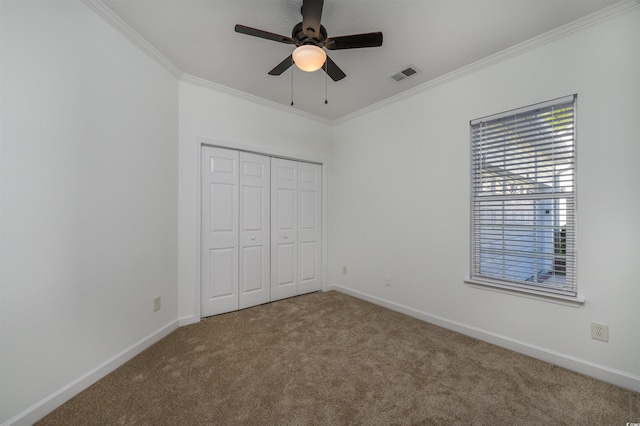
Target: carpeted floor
[(331, 359)]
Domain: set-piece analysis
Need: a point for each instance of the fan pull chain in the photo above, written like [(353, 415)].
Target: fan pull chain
[(292, 81), (325, 82)]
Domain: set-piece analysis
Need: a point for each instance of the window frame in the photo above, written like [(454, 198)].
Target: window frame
[(479, 171)]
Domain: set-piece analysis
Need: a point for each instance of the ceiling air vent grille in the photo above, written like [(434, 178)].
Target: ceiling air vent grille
[(405, 73)]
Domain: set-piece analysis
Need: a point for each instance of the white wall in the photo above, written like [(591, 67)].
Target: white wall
[(89, 179), (400, 201), (211, 116)]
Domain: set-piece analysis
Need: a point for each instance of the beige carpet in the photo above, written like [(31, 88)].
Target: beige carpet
[(331, 359)]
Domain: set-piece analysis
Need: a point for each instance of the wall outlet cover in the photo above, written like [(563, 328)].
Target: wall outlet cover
[(600, 331)]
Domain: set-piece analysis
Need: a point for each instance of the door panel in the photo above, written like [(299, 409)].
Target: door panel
[(219, 245), (253, 200), (252, 260), (286, 265), (308, 220), (307, 261), (222, 211), (310, 230), (255, 230), (284, 205), (221, 271)]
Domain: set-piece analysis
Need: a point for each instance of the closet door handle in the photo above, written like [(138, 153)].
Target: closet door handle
[(286, 237), (253, 238)]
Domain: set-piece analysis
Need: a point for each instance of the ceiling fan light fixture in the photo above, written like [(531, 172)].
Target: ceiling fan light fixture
[(309, 57)]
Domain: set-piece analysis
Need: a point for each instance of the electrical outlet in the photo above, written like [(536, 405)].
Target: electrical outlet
[(387, 281), (156, 303), (600, 331), (344, 270)]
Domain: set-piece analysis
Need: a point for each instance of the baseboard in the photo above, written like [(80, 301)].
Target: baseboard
[(62, 395), (188, 320), (600, 372)]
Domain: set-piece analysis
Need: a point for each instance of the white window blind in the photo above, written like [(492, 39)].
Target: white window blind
[(523, 209)]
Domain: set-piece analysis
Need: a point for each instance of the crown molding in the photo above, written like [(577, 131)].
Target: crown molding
[(107, 14), (613, 11), (188, 78)]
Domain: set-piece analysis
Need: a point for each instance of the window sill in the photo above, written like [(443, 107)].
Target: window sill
[(559, 299)]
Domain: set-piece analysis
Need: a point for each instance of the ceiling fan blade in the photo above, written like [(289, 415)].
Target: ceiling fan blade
[(354, 41), (334, 70), (311, 15), (282, 66), (264, 34)]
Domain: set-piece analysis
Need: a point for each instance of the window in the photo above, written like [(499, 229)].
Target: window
[(523, 207)]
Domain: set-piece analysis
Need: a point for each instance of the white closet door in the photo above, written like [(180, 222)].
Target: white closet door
[(309, 227), (284, 226), (219, 250), (255, 230)]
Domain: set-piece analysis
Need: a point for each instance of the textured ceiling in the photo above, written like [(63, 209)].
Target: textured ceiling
[(435, 36)]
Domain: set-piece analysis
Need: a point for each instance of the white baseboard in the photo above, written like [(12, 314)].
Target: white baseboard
[(601, 372), (188, 320), (62, 395)]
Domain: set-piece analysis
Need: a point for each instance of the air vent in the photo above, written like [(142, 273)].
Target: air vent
[(405, 73)]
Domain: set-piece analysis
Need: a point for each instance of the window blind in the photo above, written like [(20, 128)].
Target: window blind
[(523, 186)]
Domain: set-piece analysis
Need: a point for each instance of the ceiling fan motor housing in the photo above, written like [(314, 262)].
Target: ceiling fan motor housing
[(301, 38)]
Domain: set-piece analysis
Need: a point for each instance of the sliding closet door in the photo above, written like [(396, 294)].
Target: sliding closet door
[(255, 230), (284, 228), (220, 234), (309, 227)]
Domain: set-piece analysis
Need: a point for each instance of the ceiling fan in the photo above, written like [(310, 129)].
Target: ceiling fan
[(309, 37)]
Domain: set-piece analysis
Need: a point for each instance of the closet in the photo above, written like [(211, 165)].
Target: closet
[(261, 229)]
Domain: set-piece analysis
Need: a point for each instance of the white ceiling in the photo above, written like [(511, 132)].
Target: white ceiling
[(435, 36)]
